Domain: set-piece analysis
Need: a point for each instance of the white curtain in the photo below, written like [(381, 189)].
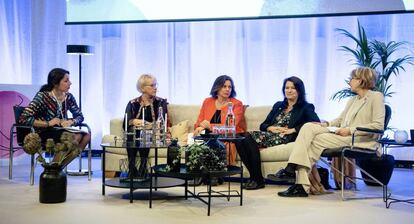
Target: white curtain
[(186, 57)]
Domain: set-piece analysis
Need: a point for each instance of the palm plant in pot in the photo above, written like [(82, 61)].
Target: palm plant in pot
[(377, 55), (53, 181)]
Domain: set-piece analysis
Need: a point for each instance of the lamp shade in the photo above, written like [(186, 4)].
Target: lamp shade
[(79, 49)]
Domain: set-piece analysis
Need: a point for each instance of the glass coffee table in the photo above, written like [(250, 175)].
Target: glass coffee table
[(160, 171), (149, 183)]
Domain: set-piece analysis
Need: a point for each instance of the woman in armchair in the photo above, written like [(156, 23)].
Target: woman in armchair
[(281, 126), (145, 106), (49, 108), (365, 109)]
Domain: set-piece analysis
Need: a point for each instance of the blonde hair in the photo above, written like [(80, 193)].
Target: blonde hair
[(367, 76), (143, 80)]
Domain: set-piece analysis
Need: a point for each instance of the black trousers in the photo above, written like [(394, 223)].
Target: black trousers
[(249, 153), (132, 154)]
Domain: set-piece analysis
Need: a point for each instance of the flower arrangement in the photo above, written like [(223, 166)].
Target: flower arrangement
[(62, 152)]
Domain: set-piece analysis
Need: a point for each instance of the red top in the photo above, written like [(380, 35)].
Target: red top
[(209, 108)]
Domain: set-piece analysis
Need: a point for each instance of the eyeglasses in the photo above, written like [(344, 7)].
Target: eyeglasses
[(154, 85)]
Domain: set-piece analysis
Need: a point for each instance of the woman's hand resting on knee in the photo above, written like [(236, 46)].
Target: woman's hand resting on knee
[(343, 132)]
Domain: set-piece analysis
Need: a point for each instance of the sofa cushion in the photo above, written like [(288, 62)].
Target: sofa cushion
[(115, 127), (178, 113), (180, 131), (255, 116)]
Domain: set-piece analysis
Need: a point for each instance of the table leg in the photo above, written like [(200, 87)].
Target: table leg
[(150, 193), (209, 197), (186, 189), (103, 170), (131, 196), (241, 185), (228, 190)]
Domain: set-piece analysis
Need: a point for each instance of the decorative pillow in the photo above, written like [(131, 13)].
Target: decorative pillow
[(180, 131)]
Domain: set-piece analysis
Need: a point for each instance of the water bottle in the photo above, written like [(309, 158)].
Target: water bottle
[(160, 127), (230, 124)]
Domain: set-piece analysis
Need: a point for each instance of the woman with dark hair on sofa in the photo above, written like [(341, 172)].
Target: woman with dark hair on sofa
[(281, 126), (49, 109), (214, 110)]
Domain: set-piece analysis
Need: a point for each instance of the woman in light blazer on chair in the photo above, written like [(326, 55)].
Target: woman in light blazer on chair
[(365, 109)]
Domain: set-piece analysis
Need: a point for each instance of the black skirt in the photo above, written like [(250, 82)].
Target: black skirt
[(52, 133)]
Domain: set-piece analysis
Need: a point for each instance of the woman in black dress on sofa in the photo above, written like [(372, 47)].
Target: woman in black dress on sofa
[(281, 126), (145, 106)]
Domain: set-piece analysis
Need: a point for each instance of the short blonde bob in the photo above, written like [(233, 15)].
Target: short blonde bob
[(143, 81), (367, 76)]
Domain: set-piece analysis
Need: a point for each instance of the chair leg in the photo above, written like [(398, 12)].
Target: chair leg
[(11, 161), (11, 152), (342, 177), (80, 162), (89, 162), (32, 167)]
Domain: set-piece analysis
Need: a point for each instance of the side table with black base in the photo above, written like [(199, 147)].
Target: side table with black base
[(149, 183), (392, 144), (160, 170)]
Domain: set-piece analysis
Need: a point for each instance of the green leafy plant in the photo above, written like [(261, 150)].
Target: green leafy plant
[(377, 55), (203, 158), (61, 151)]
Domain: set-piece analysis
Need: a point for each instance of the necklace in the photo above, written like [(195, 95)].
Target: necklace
[(141, 103), (59, 104)]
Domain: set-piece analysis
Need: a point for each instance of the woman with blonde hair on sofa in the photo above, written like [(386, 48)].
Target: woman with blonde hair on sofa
[(214, 110), (145, 106), (365, 109), (280, 127)]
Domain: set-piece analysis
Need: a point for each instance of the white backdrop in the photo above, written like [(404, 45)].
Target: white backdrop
[(186, 58)]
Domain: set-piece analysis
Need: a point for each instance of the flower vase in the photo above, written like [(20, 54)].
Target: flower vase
[(52, 184)]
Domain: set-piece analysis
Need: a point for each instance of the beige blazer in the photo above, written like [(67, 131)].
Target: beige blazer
[(370, 114)]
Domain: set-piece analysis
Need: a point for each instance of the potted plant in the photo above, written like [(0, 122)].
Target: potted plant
[(53, 181), (202, 157), (377, 55)]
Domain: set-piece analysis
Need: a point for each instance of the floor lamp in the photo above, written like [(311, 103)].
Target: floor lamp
[(79, 50)]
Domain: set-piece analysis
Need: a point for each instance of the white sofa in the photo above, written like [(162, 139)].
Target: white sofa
[(273, 158)]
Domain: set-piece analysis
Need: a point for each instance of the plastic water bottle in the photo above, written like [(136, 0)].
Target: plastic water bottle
[(230, 124)]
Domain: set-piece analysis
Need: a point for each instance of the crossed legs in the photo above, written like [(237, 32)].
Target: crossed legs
[(308, 147)]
